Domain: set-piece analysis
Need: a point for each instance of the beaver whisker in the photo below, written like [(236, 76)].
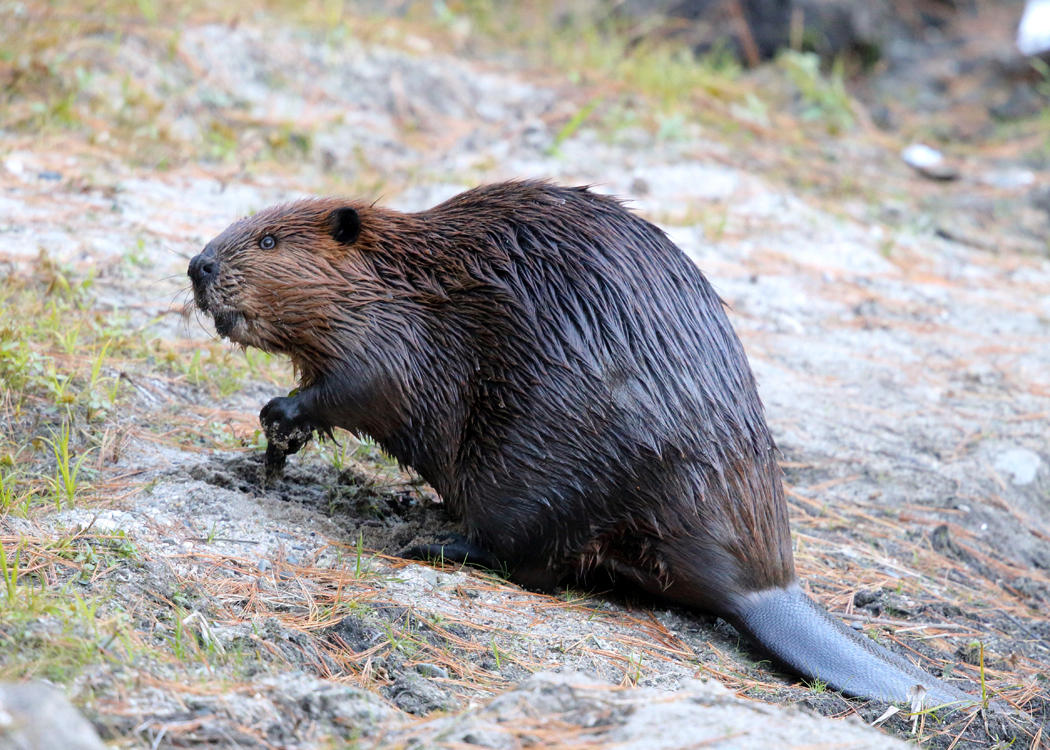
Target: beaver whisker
[(173, 250), (187, 304)]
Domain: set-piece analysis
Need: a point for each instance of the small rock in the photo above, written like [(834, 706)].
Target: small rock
[(414, 695), (929, 162), (1020, 463), (35, 715), (432, 670), (942, 541), (864, 597)]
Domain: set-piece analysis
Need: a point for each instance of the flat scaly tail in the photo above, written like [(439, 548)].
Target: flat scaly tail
[(799, 633)]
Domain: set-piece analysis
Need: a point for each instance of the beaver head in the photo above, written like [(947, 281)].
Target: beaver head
[(280, 279)]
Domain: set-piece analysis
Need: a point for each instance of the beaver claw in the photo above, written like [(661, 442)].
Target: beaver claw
[(287, 430)]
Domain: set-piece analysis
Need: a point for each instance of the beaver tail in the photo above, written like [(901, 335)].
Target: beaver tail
[(801, 635)]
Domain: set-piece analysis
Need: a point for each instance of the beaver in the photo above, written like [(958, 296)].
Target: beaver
[(568, 382)]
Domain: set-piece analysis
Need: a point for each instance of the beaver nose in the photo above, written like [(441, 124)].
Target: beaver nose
[(203, 267)]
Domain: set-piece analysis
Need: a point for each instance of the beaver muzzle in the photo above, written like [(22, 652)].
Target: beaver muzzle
[(204, 272), (204, 268)]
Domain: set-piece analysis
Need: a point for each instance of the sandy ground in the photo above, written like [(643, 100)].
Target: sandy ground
[(906, 378)]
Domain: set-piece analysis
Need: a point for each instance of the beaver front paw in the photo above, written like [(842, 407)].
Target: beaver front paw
[(287, 430)]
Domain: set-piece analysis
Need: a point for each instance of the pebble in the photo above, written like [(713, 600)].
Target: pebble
[(1020, 463), (929, 162), (432, 670)]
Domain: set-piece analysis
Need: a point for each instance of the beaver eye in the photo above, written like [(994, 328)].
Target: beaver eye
[(267, 242)]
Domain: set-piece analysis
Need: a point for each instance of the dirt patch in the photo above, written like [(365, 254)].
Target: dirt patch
[(413, 640), (382, 517)]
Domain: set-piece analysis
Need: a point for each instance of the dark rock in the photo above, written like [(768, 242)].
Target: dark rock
[(415, 695), (866, 597), (942, 541), (357, 634)]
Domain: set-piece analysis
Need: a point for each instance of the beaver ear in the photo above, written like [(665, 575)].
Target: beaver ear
[(345, 225)]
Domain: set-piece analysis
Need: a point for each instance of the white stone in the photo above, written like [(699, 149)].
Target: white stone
[(1020, 463)]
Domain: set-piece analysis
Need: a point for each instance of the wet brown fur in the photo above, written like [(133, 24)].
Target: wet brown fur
[(552, 364), (567, 381)]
